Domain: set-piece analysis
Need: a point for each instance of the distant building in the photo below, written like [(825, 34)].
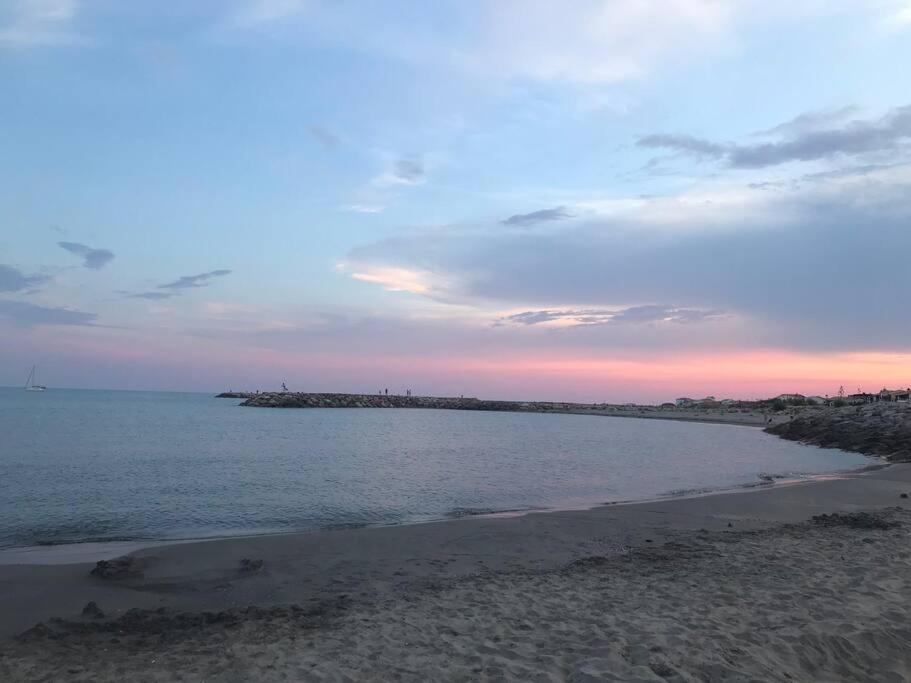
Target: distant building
[(894, 395), (861, 399), (684, 402)]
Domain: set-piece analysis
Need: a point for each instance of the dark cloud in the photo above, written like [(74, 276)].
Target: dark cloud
[(91, 258), (810, 121), (409, 171), (28, 314), (684, 143), (191, 281), (821, 267), (557, 213), (631, 315), (800, 143), (327, 138), (650, 314), (152, 296), (13, 280)]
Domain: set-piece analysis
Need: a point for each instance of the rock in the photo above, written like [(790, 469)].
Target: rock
[(904, 495), (119, 568), (248, 566), (884, 430), (93, 611)]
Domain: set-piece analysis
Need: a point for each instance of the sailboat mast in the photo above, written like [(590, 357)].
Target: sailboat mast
[(28, 382)]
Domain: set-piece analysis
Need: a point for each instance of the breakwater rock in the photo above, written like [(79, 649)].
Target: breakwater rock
[(303, 400), (882, 429), (235, 394)]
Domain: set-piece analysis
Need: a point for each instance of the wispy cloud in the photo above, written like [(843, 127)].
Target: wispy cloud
[(38, 23), (803, 140), (28, 314), (365, 208), (404, 171), (151, 296), (325, 137), (192, 281), (558, 213), (14, 280), (251, 13), (596, 316), (176, 288), (91, 258)]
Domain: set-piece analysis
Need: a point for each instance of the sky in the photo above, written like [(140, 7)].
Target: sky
[(603, 200)]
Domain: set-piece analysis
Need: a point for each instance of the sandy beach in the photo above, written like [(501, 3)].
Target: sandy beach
[(739, 586)]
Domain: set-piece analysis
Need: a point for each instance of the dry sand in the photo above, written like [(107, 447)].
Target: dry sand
[(725, 587)]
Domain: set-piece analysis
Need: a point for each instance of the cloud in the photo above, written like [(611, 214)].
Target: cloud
[(592, 41), (252, 13), (802, 141), (13, 280), (813, 120), (667, 314), (151, 296), (28, 314), (818, 264), (327, 138), (557, 213), (365, 208), (595, 316), (684, 143), (192, 281), (391, 279), (39, 23), (405, 171), (91, 258), (176, 288)]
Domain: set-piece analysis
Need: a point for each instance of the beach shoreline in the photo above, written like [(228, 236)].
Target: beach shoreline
[(80, 552)]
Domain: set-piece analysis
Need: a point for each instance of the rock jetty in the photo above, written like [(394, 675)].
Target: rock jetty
[(881, 429), (235, 394), (305, 400)]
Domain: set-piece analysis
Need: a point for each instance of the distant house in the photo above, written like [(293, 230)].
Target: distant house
[(684, 402), (858, 399), (668, 406), (894, 395)]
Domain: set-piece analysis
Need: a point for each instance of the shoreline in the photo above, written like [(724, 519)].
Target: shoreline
[(765, 504), (80, 552)]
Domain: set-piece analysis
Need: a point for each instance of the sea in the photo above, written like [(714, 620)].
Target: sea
[(80, 466)]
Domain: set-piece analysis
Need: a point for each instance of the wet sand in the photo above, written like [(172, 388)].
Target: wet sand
[(724, 587)]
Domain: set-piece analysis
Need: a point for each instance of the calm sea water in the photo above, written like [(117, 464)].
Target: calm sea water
[(103, 465)]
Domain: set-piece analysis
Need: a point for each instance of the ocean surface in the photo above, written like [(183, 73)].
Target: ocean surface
[(79, 466)]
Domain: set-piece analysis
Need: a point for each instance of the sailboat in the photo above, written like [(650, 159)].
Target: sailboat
[(30, 382)]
